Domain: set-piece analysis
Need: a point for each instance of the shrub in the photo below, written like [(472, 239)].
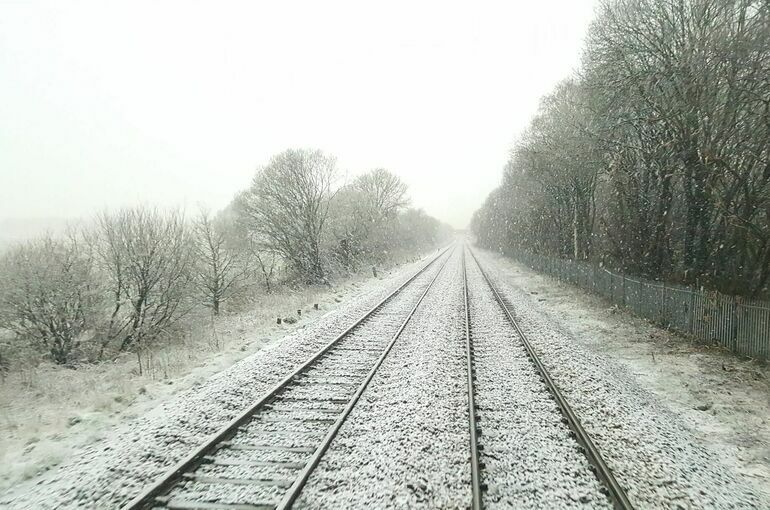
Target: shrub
[(48, 294)]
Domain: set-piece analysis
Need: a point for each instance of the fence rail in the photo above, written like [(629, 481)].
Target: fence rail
[(738, 324)]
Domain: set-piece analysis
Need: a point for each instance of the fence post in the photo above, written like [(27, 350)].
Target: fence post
[(734, 324), (692, 311)]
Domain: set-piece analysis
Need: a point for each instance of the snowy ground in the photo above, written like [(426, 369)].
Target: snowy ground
[(686, 428), (48, 411), (105, 460), (714, 401)]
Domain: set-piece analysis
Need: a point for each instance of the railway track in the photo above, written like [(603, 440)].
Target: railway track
[(262, 459), (498, 415)]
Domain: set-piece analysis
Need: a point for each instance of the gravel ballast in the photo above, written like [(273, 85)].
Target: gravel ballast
[(107, 474), (651, 452)]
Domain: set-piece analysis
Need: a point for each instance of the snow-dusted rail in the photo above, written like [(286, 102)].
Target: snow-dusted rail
[(263, 458), (503, 438), (476, 485)]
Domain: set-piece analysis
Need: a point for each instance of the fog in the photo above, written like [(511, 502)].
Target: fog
[(178, 103)]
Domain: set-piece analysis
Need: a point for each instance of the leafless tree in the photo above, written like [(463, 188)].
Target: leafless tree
[(655, 159), (364, 215), (557, 161), (218, 269), (49, 294), (147, 257), (287, 206), (266, 262), (382, 192), (415, 231)]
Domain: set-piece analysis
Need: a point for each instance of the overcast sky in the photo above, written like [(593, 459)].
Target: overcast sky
[(105, 104)]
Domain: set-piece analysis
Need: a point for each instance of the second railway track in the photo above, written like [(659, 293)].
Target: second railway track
[(528, 448)]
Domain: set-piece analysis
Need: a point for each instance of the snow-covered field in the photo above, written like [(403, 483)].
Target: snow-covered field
[(47, 411), (406, 442)]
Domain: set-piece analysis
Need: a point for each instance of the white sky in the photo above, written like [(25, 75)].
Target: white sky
[(105, 104)]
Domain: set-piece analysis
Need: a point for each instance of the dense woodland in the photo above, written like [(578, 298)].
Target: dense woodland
[(654, 158), (124, 283)]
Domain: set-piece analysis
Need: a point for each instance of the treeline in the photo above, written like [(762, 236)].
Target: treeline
[(655, 158), (124, 283)]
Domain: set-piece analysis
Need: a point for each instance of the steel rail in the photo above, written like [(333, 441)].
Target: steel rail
[(476, 503), (294, 491), (616, 493), (146, 499)]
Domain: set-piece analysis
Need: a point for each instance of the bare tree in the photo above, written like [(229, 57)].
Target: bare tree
[(364, 216), (415, 231), (287, 206), (147, 257), (5, 364), (49, 294), (557, 162), (218, 269), (656, 158), (350, 225), (383, 193), (267, 262)]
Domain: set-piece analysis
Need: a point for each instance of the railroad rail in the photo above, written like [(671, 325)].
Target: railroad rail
[(613, 489), (271, 448), (476, 486)]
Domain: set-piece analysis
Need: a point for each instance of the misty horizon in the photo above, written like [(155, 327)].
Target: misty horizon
[(107, 109)]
